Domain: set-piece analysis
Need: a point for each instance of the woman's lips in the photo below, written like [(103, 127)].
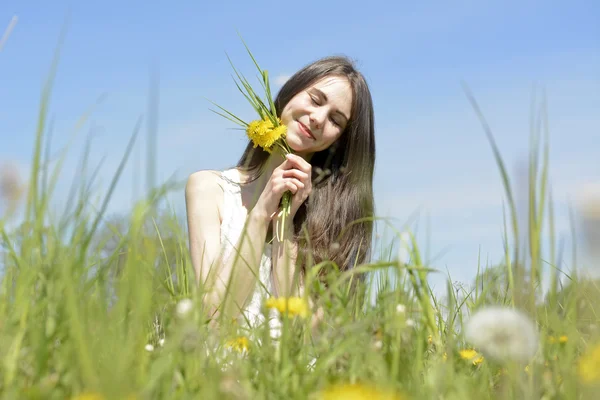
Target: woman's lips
[(305, 130)]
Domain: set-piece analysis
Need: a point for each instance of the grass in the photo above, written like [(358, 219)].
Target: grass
[(94, 308)]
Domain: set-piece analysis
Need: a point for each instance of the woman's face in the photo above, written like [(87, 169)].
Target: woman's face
[(317, 116)]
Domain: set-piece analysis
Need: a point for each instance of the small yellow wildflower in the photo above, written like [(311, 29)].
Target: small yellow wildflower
[(293, 305), (471, 355), (357, 392), (264, 134), (89, 396), (429, 339), (563, 339), (240, 344), (589, 366), (468, 354)]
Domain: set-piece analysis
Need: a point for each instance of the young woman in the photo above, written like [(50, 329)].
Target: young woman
[(232, 214)]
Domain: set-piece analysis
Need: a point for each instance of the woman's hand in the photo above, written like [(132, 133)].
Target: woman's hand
[(300, 171), (294, 174)]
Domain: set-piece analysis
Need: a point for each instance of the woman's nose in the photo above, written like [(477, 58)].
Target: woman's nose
[(316, 119)]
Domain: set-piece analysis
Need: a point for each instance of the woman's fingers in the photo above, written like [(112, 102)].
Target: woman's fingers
[(291, 184), (295, 173), (294, 161)]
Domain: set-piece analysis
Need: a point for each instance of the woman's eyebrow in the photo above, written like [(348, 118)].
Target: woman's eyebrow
[(322, 94)]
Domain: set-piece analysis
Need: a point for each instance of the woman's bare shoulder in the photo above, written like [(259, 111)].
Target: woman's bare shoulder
[(204, 182)]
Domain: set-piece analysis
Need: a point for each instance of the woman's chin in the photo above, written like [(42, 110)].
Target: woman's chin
[(296, 144), (299, 150)]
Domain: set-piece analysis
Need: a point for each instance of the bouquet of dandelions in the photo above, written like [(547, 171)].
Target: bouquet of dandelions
[(267, 131)]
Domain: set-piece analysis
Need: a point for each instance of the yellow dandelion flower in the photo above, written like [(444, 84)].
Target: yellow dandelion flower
[(293, 305), (264, 134), (357, 392), (471, 355), (240, 344), (89, 396), (468, 354), (563, 339), (272, 302), (589, 366)]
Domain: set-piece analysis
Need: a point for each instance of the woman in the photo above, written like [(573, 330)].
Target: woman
[(328, 111)]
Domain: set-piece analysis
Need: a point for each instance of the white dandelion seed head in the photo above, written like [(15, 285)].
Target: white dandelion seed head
[(502, 333), (400, 308), (410, 323), (161, 342), (149, 347), (184, 307), (378, 345)]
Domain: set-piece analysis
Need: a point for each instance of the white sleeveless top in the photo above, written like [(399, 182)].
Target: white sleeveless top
[(234, 217)]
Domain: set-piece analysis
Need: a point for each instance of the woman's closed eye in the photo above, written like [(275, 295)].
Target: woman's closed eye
[(317, 102)]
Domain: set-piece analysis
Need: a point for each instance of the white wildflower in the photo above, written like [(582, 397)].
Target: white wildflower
[(149, 347), (378, 345), (161, 342), (502, 333), (312, 363), (410, 323), (184, 307), (400, 308)]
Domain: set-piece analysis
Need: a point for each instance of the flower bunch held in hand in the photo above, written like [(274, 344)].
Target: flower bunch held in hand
[(267, 131), (502, 334)]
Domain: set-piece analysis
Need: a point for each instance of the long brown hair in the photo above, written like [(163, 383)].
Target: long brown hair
[(342, 174)]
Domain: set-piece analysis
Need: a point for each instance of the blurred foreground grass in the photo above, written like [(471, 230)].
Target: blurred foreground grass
[(96, 308)]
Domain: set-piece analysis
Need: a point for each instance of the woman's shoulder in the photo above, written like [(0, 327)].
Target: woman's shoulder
[(205, 182)]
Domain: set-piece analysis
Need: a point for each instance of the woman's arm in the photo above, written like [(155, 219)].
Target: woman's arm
[(203, 197)]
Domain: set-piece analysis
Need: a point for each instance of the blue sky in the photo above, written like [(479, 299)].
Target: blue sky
[(432, 153)]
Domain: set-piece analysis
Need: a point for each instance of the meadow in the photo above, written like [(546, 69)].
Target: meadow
[(94, 307)]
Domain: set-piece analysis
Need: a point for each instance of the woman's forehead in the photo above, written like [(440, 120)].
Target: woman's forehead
[(332, 82)]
